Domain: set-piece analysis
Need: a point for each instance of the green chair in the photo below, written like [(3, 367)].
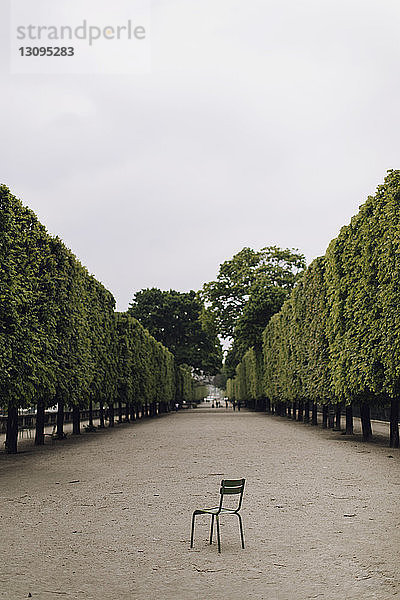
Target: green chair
[(228, 487)]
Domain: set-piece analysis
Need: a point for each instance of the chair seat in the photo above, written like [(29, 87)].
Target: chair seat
[(214, 511)]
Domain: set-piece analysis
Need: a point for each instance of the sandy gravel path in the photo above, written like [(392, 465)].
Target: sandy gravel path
[(107, 516)]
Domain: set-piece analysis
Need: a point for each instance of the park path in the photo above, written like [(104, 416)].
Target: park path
[(107, 516)]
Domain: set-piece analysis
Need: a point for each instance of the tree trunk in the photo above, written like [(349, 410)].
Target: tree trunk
[(101, 415), (90, 426), (76, 419), (294, 410), (349, 420), (111, 415), (91, 415), (133, 411), (331, 417), (338, 417), (394, 423), (12, 429), (127, 412), (300, 411), (365, 414), (314, 418), (119, 412), (324, 416), (289, 411), (39, 433), (60, 419), (307, 411)]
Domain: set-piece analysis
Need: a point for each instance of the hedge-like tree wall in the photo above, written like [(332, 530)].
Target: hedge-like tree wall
[(61, 340), (336, 340)]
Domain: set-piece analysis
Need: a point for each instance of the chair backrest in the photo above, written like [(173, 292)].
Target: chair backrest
[(230, 487)]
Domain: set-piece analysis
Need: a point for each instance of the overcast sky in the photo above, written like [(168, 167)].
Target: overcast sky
[(262, 122)]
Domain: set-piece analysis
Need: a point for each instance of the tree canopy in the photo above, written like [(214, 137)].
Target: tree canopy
[(60, 339), (246, 288), (180, 322), (336, 338)]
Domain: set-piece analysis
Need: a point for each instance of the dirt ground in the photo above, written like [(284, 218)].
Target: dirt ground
[(106, 516)]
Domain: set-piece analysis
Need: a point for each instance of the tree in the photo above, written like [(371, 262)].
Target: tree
[(21, 332), (60, 340), (232, 359), (335, 340), (255, 275), (180, 322), (264, 301)]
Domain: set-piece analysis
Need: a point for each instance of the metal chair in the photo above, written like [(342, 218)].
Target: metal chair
[(228, 487)]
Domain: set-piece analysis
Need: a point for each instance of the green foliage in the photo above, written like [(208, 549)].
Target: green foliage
[(313, 320), (362, 278), (145, 368), (264, 301), (27, 320), (246, 274), (337, 336), (200, 391), (184, 384), (180, 322), (232, 359), (60, 339)]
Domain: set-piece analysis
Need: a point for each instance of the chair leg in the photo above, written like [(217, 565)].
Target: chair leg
[(218, 535), (192, 535), (212, 528), (241, 529)]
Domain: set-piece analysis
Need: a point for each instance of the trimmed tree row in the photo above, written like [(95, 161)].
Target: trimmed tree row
[(61, 341), (336, 341)]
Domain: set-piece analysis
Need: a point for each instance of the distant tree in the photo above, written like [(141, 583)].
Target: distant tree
[(264, 301), (220, 380), (232, 359), (180, 322), (251, 274)]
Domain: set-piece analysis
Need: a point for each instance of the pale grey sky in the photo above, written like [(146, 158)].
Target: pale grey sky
[(262, 122)]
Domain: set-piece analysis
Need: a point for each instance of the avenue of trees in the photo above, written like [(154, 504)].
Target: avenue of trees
[(61, 341), (327, 336), (336, 340)]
